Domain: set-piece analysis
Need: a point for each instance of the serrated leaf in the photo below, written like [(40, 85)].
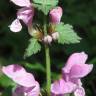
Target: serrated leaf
[(33, 48), (66, 34), (45, 5), (46, 2)]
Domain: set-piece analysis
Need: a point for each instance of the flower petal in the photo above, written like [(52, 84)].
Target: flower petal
[(79, 92), (55, 36), (13, 70), (47, 39), (76, 81), (22, 3), (18, 91), (61, 87), (79, 71), (19, 75), (15, 26), (28, 91), (26, 14), (76, 58), (35, 91), (26, 80)]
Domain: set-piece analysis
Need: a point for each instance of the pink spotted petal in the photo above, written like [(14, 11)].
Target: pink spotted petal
[(79, 92), (15, 26), (19, 75), (55, 15), (61, 87), (79, 71), (13, 70), (26, 14), (22, 3), (27, 91), (76, 81), (18, 91), (26, 80), (75, 59), (35, 91), (67, 78)]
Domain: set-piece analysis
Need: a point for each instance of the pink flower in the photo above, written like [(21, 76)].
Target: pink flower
[(25, 14), (55, 15), (74, 70), (24, 79), (76, 66)]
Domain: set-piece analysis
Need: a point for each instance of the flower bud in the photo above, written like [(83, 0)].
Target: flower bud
[(55, 15), (47, 39), (55, 35)]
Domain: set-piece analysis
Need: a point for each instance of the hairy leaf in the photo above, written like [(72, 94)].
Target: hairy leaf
[(67, 34), (33, 48)]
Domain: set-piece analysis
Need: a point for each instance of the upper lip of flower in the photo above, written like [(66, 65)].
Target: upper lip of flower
[(19, 76), (76, 62)]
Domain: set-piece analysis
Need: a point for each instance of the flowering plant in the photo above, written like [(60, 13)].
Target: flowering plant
[(45, 33)]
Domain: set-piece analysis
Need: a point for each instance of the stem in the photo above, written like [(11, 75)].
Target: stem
[(48, 71), (67, 95), (48, 65)]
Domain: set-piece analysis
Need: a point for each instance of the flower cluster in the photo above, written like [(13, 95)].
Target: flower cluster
[(26, 14), (55, 18), (26, 83), (74, 70), (70, 82)]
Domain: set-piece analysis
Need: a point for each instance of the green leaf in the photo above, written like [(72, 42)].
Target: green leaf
[(5, 81), (33, 48), (36, 66), (7, 91), (45, 5), (66, 34)]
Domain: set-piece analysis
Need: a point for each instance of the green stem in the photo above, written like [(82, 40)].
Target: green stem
[(48, 65), (48, 71), (67, 95)]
